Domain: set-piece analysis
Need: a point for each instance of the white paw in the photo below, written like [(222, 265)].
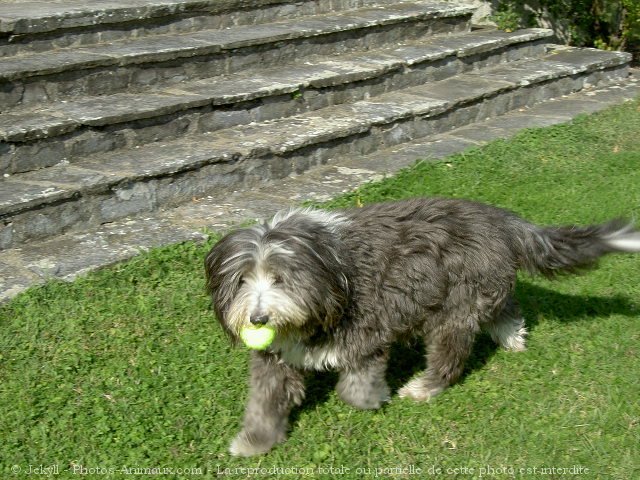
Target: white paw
[(510, 336), (417, 390), (242, 446), (516, 342)]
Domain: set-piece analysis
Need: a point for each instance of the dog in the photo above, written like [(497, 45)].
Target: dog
[(340, 287)]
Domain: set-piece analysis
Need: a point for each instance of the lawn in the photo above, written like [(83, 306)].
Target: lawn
[(126, 372)]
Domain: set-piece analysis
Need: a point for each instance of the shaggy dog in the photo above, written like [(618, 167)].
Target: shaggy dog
[(340, 288)]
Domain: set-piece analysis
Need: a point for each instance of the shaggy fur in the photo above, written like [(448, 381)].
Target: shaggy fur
[(340, 288)]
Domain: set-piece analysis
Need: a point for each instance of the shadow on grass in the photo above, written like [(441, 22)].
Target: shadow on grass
[(536, 301), (407, 359), (319, 386)]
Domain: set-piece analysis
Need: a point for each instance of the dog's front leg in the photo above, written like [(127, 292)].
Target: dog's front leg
[(364, 386), (275, 388)]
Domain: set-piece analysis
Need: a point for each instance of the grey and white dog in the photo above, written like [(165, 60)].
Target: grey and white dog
[(341, 287)]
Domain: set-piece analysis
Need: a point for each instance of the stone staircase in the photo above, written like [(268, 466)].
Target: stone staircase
[(127, 125)]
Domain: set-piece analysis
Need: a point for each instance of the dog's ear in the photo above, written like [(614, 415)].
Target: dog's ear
[(213, 263), (223, 268), (229, 259), (214, 280), (337, 298)]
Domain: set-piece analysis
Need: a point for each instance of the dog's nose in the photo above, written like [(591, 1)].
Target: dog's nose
[(259, 319)]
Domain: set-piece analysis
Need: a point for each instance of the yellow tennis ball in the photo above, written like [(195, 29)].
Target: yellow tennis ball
[(257, 338)]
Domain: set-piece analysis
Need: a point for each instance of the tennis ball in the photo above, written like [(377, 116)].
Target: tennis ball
[(257, 338)]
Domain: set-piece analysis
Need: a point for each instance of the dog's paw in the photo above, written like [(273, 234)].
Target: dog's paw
[(419, 391), (247, 445), (363, 392), (517, 341), (510, 336), (372, 400), (382, 396)]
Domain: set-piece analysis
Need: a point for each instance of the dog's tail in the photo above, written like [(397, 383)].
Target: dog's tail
[(570, 249)]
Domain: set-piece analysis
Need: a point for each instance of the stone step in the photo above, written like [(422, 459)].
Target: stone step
[(32, 79), (67, 256), (37, 138), (104, 188), (34, 26)]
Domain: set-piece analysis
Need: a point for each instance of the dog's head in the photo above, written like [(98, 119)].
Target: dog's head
[(287, 273)]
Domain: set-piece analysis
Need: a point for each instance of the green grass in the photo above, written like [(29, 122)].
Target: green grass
[(127, 368)]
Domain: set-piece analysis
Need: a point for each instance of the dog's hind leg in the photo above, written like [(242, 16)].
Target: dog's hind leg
[(365, 386), (507, 329), (275, 388), (448, 347)]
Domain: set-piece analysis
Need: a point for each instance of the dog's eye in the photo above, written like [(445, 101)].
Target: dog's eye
[(277, 280)]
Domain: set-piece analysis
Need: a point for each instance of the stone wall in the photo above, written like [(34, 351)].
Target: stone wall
[(483, 12), (530, 8)]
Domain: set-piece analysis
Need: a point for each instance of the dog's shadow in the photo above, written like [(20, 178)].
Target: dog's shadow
[(535, 301)]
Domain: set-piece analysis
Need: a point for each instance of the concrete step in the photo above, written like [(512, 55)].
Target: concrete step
[(36, 78), (104, 188), (65, 257), (33, 138), (34, 26)]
